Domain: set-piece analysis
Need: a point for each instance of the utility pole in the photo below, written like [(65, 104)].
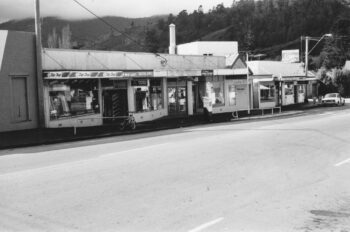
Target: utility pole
[(248, 86), (39, 76), (306, 55), (307, 52)]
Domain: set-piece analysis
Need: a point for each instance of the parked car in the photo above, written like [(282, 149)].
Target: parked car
[(333, 99)]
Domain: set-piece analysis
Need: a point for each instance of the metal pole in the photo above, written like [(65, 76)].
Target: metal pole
[(306, 55), (248, 89), (39, 78)]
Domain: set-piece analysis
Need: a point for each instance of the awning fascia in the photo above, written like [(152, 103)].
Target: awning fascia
[(64, 75)]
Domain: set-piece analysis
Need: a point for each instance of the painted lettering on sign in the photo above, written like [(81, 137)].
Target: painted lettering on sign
[(239, 82), (96, 74), (207, 72), (139, 82)]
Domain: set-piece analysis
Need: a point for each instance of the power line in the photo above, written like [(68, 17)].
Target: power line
[(108, 24), (278, 46), (121, 32)]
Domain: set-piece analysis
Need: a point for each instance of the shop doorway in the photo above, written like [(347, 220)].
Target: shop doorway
[(197, 98), (177, 100), (295, 94), (115, 104)]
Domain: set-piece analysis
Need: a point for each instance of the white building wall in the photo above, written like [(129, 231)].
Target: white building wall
[(214, 48)]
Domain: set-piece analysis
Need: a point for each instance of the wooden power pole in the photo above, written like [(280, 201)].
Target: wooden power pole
[(39, 76)]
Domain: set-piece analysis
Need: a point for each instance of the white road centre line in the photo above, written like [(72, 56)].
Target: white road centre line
[(342, 162), (206, 225)]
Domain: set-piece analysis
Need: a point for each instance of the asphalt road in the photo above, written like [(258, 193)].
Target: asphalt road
[(286, 174)]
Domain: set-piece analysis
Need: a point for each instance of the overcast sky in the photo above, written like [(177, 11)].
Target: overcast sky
[(18, 9)]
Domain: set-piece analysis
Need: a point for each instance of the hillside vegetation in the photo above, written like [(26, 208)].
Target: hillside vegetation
[(91, 33), (265, 26)]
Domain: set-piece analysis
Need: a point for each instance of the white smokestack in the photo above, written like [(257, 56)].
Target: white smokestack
[(172, 39)]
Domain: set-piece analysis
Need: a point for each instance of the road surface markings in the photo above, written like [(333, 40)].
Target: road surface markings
[(206, 225), (343, 162)]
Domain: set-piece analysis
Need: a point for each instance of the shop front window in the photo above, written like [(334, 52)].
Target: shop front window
[(217, 91), (289, 89), (232, 95), (73, 98), (301, 89), (148, 95), (267, 93), (156, 94)]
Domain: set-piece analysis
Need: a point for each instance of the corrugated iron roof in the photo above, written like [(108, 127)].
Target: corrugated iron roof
[(60, 59), (277, 69)]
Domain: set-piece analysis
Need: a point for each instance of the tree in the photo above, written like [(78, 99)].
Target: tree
[(66, 36), (332, 56), (152, 42), (341, 81), (52, 39)]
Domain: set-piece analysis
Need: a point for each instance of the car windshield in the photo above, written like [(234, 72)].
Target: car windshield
[(331, 95)]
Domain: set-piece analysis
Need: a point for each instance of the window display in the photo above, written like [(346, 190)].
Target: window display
[(156, 94), (217, 91), (232, 94), (267, 92), (289, 89), (148, 95), (72, 98), (301, 89)]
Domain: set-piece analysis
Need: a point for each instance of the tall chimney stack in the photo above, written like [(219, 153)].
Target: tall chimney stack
[(172, 39)]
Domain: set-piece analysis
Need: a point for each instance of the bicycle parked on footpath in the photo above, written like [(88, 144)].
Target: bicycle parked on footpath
[(128, 123)]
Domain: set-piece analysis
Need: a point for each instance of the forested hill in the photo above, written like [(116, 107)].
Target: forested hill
[(260, 26), (257, 25), (90, 33)]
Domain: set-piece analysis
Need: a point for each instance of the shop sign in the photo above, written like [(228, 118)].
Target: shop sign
[(120, 84), (236, 77), (95, 74), (240, 88), (139, 82), (239, 82), (139, 74), (303, 82), (207, 72), (290, 56)]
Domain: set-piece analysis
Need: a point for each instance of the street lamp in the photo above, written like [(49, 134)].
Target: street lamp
[(307, 52)]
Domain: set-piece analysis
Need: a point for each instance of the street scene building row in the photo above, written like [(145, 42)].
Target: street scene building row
[(92, 88)]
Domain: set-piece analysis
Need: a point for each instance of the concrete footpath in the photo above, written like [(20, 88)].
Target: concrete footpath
[(59, 135)]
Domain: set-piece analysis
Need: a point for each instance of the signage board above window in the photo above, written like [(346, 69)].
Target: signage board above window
[(96, 74), (139, 82), (207, 72)]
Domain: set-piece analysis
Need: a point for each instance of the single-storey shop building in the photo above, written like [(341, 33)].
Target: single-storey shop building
[(90, 88), (278, 83)]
